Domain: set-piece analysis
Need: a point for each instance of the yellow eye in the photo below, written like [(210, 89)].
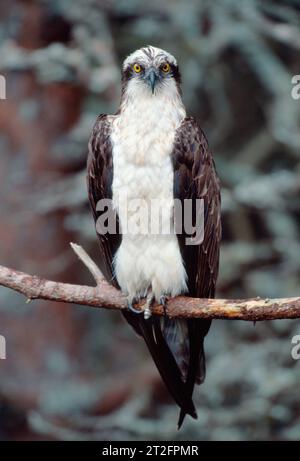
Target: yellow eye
[(137, 68), (166, 67)]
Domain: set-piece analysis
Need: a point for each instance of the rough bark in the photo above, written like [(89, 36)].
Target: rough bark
[(104, 295)]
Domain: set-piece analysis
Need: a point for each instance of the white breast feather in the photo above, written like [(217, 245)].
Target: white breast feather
[(142, 139)]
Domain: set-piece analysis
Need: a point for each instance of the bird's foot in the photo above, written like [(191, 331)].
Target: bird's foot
[(147, 306), (164, 302), (130, 303)]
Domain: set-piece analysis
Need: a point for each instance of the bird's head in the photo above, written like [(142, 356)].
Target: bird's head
[(150, 70)]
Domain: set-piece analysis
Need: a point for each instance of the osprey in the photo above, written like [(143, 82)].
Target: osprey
[(150, 150)]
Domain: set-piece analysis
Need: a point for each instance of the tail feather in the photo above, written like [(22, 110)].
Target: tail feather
[(166, 364), (196, 372), (182, 415), (180, 384)]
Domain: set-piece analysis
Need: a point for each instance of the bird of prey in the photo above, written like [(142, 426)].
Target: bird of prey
[(152, 151)]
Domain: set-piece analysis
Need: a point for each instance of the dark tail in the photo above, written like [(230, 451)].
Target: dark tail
[(166, 364), (181, 391), (196, 371)]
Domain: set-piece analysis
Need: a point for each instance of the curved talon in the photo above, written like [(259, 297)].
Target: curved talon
[(147, 306), (132, 309), (147, 313)]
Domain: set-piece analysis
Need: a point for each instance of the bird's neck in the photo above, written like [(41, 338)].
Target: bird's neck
[(138, 103)]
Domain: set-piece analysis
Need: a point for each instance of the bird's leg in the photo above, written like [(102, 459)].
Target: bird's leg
[(147, 306), (130, 302), (164, 302)]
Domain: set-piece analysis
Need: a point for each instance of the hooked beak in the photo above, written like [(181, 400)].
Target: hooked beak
[(152, 78)]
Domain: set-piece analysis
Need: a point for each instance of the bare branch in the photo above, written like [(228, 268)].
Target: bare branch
[(88, 262), (106, 296)]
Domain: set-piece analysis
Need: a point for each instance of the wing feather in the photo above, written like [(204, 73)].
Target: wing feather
[(99, 182), (195, 177)]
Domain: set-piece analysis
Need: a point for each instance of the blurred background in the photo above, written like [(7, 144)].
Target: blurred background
[(78, 373)]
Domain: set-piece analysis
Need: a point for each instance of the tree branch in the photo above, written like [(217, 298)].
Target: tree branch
[(106, 296)]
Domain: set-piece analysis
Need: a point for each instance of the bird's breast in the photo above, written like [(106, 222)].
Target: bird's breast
[(142, 141)]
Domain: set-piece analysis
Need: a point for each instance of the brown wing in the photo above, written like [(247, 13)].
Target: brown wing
[(195, 178), (99, 182)]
